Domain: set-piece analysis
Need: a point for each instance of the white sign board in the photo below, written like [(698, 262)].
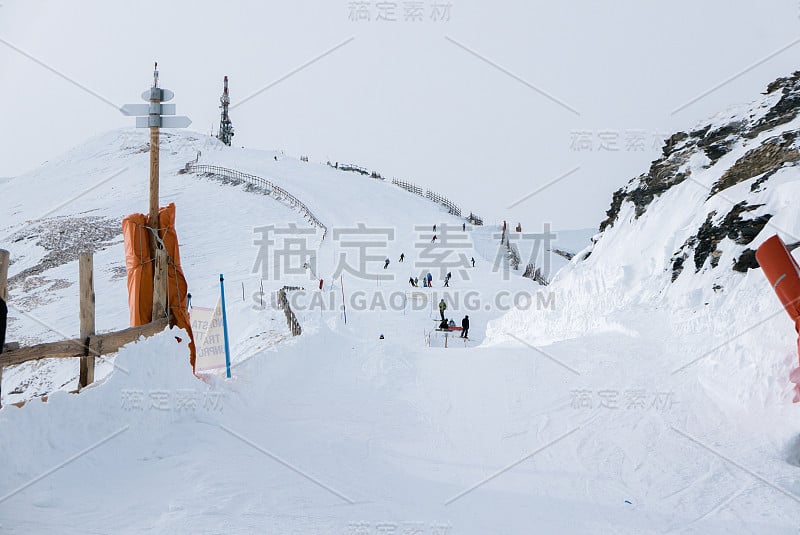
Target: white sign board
[(209, 339)]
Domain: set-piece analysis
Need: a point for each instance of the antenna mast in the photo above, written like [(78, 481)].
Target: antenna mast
[(225, 126)]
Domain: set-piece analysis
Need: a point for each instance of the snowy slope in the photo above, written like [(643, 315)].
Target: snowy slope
[(672, 277), (574, 415)]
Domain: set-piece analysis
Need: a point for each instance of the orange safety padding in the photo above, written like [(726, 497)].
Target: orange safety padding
[(140, 269), (783, 274), (177, 289)]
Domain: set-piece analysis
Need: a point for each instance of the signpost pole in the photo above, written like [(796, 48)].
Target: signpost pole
[(155, 115)]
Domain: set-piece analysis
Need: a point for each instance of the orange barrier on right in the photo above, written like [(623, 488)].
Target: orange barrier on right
[(783, 273)]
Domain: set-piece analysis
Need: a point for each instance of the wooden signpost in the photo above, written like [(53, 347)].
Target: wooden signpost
[(156, 115)]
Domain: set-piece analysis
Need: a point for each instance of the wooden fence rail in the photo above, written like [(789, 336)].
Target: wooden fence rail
[(291, 319), (257, 183), (88, 345), (452, 207), (94, 345)]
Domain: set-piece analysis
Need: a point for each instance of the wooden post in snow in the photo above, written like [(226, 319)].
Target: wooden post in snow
[(5, 259), (156, 251), (160, 300), (152, 219), (87, 317)]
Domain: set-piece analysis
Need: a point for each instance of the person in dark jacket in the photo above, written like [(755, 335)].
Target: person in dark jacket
[(465, 327), (3, 319)]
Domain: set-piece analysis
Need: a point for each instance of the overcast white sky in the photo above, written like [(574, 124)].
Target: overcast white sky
[(485, 107)]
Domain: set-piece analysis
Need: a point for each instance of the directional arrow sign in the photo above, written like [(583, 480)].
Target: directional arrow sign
[(148, 109), (158, 93), (180, 121), (164, 122)]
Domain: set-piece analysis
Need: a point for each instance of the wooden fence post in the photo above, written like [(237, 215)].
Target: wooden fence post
[(86, 276), (5, 258)]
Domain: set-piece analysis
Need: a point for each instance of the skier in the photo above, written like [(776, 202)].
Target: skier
[(465, 327), (416, 282), (402, 256), (443, 325), (442, 308), (434, 228), (430, 279), (433, 239), (463, 227), (473, 261), (386, 263), (411, 281), (447, 279)]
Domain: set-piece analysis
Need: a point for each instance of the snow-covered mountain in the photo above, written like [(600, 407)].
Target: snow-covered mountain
[(680, 241), (645, 390)]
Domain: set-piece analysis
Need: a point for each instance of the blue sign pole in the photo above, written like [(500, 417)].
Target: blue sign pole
[(225, 327)]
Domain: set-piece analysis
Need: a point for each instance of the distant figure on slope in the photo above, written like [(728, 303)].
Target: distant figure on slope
[(465, 327), (433, 239), (442, 308), (402, 256), (463, 227), (416, 282), (447, 280), (473, 261), (519, 227), (451, 324), (411, 281), (430, 279), (434, 228), (386, 263)]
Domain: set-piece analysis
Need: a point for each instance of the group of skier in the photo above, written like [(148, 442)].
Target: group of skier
[(446, 325), (427, 282)]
